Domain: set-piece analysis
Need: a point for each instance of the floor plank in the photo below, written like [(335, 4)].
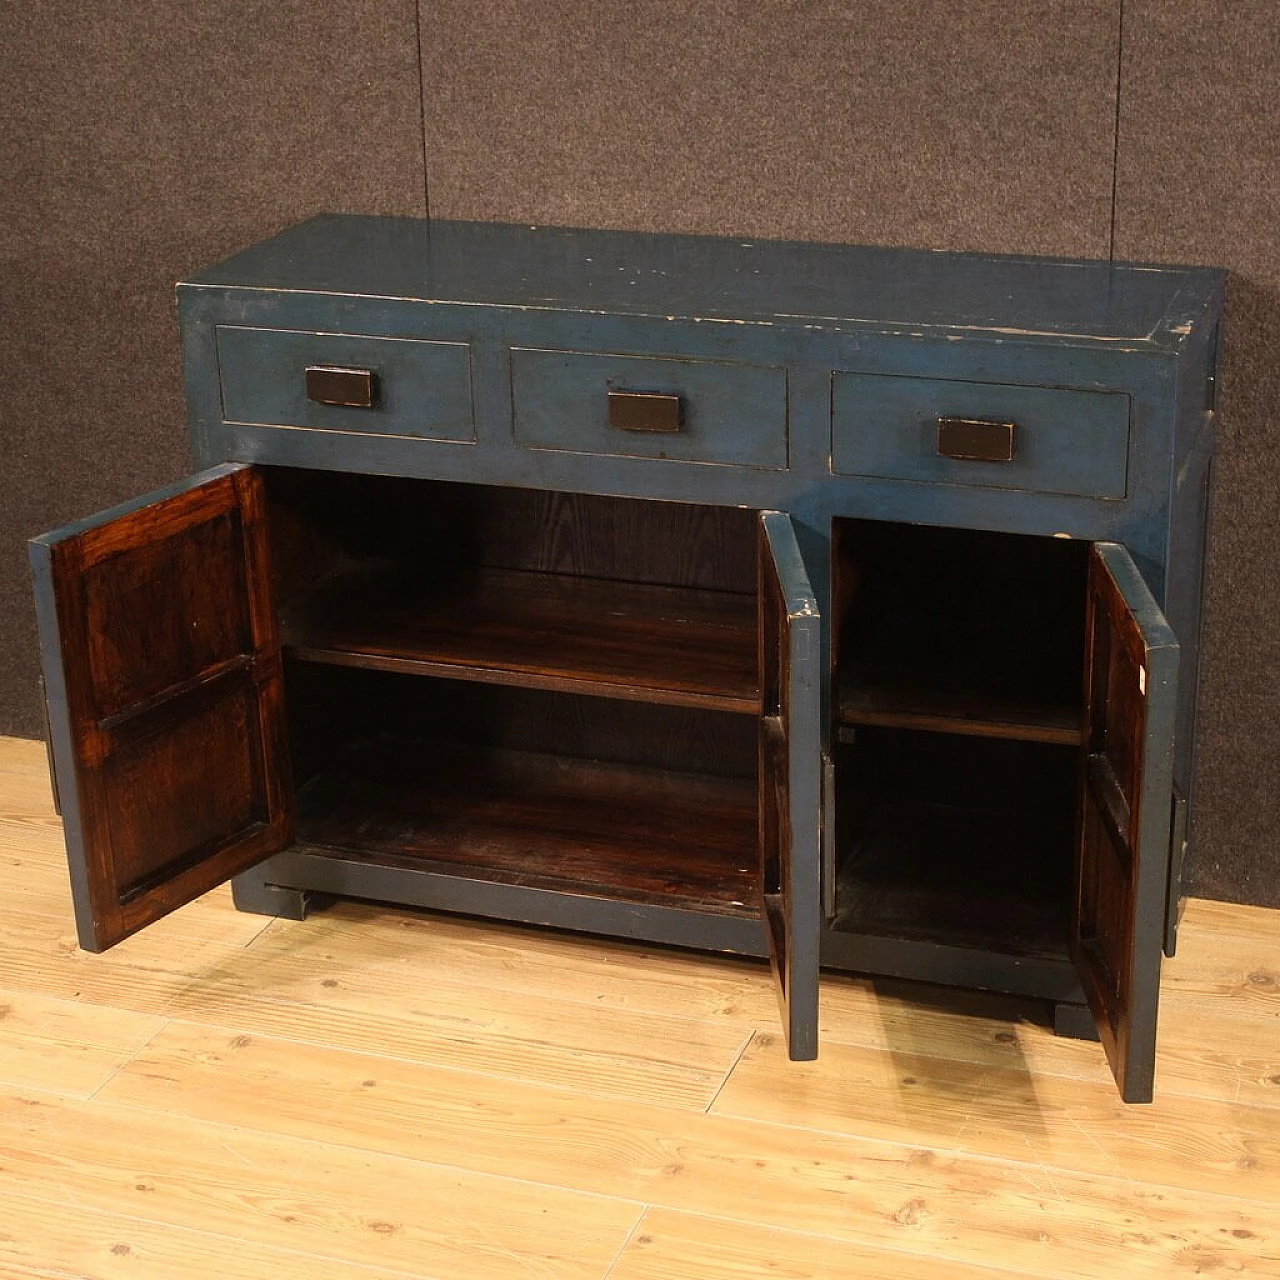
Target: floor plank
[(899, 1194), (319, 1198), (418, 1013), (676, 1246), (45, 1241)]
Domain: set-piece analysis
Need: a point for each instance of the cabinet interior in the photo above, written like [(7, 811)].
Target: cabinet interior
[(958, 676), (552, 690)]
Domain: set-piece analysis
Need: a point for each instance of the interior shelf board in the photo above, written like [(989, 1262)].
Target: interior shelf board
[(616, 831), (936, 700), (672, 645)]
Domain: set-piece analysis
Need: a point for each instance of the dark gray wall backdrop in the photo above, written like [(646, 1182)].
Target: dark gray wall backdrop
[(144, 140)]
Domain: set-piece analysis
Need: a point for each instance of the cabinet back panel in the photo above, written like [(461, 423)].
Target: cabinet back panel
[(331, 707), (1003, 611), (956, 840), (439, 528)]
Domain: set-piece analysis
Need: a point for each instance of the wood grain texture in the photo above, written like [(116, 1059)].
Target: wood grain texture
[(674, 1246), (171, 773), (378, 1093), (41, 1239), (422, 1009), (837, 1182), (321, 1199)]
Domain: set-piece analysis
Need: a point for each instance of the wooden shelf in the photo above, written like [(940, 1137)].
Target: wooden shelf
[(948, 701), (603, 830), (671, 645)]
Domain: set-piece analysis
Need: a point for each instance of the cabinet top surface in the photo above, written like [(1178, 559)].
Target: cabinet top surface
[(718, 279)]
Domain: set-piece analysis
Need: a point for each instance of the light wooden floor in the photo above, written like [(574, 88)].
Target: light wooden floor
[(374, 1093)]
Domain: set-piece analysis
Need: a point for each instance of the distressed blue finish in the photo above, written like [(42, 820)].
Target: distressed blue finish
[(825, 367), (814, 310), (424, 387), (1191, 483), (1066, 441), (734, 280), (811, 379), (1136, 1050), (794, 931), (300, 871), (731, 413)]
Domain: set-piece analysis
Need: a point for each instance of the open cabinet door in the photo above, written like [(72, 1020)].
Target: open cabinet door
[(164, 689), (1131, 673), (790, 783)]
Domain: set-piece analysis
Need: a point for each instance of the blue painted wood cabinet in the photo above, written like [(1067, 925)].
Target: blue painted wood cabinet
[(836, 604)]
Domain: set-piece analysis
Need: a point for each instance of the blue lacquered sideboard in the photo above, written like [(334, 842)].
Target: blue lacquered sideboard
[(834, 604)]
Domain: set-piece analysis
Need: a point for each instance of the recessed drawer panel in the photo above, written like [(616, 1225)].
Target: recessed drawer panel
[(1039, 439), (346, 382), (636, 406)]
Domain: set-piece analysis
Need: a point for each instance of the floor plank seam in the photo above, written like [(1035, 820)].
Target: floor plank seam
[(124, 1062), (742, 1049), (267, 922), (622, 1248)]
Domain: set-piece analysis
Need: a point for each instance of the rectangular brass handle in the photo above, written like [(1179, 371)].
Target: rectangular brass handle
[(976, 439), (349, 388), (658, 411)]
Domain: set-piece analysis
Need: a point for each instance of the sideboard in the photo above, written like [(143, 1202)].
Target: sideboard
[(833, 604)]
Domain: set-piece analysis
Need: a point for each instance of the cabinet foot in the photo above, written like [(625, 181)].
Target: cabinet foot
[(1074, 1021), (251, 893)]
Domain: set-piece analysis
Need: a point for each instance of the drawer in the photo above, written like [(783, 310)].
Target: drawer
[(1062, 441), (416, 388), (695, 410)]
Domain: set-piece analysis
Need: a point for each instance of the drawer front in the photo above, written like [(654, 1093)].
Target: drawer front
[(640, 407), (950, 432), (416, 388)]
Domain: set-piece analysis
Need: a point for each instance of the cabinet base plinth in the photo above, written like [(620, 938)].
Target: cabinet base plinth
[(1074, 1021), (252, 893)]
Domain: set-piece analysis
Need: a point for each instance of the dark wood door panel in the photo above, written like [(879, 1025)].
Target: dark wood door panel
[(1131, 671), (162, 661), (142, 640)]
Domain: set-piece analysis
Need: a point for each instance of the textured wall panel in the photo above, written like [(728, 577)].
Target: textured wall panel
[(1199, 180), (142, 141), (983, 125)]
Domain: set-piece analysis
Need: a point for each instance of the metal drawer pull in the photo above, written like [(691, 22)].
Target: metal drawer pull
[(976, 439), (645, 411), (350, 388)]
